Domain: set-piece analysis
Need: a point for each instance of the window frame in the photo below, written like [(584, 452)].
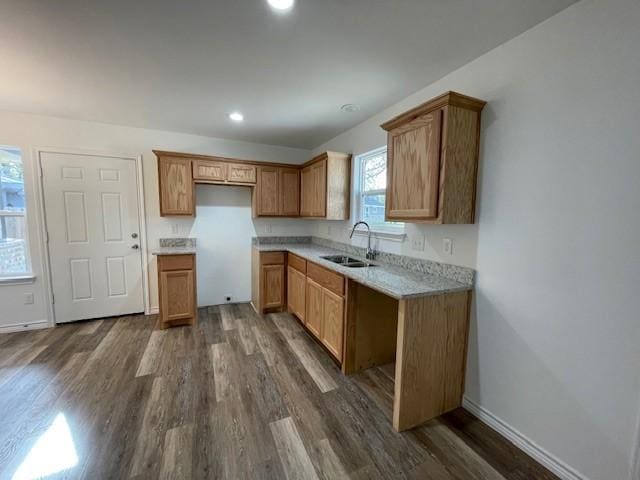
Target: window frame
[(27, 275), (390, 230)]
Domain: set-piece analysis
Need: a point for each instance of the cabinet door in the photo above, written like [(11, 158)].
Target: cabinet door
[(240, 173), (314, 308), (267, 191), (289, 192), (306, 191), (320, 189), (296, 286), (332, 322), (209, 171), (414, 169), (177, 295), (176, 186), (272, 286)]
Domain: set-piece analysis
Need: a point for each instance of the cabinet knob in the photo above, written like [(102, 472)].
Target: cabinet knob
[(135, 247)]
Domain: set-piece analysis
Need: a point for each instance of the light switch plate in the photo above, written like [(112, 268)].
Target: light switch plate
[(417, 243), (447, 246), (28, 298)]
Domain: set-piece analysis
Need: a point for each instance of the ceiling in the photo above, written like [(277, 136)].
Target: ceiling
[(184, 65)]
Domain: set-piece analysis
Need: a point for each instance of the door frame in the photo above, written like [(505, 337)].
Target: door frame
[(41, 220)]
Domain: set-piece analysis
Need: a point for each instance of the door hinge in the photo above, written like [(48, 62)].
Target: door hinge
[(53, 298), (46, 234)]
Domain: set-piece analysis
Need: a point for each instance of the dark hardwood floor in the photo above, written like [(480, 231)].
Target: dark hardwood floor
[(239, 396)]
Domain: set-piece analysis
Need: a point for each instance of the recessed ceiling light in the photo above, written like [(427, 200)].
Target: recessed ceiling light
[(236, 117), (281, 4), (350, 108)]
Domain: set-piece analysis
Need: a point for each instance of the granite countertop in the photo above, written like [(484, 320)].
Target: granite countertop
[(174, 251), (175, 246), (397, 282)]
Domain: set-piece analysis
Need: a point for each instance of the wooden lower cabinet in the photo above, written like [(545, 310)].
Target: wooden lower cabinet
[(310, 292), (325, 316), (177, 289), (315, 308), (296, 292), (332, 322), (268, 281), (273, 286)]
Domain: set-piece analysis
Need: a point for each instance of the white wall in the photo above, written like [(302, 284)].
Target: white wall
[(554, 348), (30, 131), (224, 229)]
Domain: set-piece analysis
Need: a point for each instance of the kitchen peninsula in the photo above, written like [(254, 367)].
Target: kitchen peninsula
[(416, 315)]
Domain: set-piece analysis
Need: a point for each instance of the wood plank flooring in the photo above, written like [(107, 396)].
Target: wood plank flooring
[(240, 396)]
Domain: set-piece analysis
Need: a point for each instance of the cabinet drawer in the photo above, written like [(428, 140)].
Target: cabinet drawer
[(239, 173), (298, 263), (328, 279), (272, 258), (175, 262)]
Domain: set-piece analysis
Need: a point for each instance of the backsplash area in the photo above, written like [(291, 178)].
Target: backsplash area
[(454, 272)]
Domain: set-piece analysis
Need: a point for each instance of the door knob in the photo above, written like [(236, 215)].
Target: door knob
[(135, 247), (134, 235)]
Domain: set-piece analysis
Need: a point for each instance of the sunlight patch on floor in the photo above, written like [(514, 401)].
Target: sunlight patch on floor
[(53, 452)]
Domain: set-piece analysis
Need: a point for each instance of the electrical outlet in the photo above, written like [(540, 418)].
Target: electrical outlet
[(268, 228), (227, 298), (175, 229), (329, 230), (447, 246), (28, 298), (417, 243)]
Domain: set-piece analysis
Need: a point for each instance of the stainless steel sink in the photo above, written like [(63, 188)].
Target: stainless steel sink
[(348, 261)]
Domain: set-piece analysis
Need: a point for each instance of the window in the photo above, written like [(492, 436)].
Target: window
[(372, 191), (14, 260)]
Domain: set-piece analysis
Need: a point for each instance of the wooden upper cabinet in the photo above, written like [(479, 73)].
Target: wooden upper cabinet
[(326, 187), (277, 192), (306, 191), (432, 161), (241, 173), (415, 170), (318, 189), (175, 184), (209, 171), (214, 171), (266, 193), (289, 192)]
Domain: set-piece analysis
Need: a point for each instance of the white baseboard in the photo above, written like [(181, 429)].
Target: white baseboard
[(542, 456), (21, 327), (153, 311)]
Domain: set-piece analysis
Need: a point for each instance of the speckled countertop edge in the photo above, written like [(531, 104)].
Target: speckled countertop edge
[(173, 251), (396, 282), (175, 246)]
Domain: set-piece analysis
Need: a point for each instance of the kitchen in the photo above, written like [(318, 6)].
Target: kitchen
[(391, 269)]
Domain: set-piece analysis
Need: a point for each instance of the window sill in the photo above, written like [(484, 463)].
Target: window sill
[(18, 280), (383, 235)]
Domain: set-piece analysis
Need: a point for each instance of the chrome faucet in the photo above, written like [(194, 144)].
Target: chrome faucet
[(371, 254)]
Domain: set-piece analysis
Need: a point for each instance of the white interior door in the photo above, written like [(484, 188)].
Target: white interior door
[(91, 209)]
